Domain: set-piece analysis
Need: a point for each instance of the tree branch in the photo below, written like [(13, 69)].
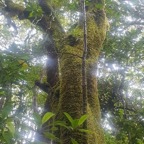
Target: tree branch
[(47, 22), (42, 86)]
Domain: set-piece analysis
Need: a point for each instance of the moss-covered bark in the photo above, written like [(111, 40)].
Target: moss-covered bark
[(70, 86), (71, 80), (96, 35)]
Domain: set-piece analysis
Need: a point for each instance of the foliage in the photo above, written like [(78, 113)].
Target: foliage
[(75, 122), (55, 124), (121, 74), (34, 9)]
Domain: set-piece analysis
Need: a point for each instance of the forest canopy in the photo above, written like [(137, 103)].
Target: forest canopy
[(42, 47)]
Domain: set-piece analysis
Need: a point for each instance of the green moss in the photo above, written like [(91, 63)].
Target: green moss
[(71, 80), (96, 137), (96, 36), (70, 86)]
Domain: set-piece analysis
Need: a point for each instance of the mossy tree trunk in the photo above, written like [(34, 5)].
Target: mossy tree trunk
[(71, 77), (65, 75), (71, 80)]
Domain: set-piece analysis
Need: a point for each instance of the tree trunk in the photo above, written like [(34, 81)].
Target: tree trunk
[(71, 82)]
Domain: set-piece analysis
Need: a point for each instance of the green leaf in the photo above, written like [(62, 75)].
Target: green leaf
[(85, 131), (74, 141), (6, 110), (37, 119), (11, 127), (75, 123), (121, 113), (69, 117), (61, 123), (51, 136), (47, 116), (7, 136), (82, 119), (31, 14), (2, 92), (54, 128), (99, 6)]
